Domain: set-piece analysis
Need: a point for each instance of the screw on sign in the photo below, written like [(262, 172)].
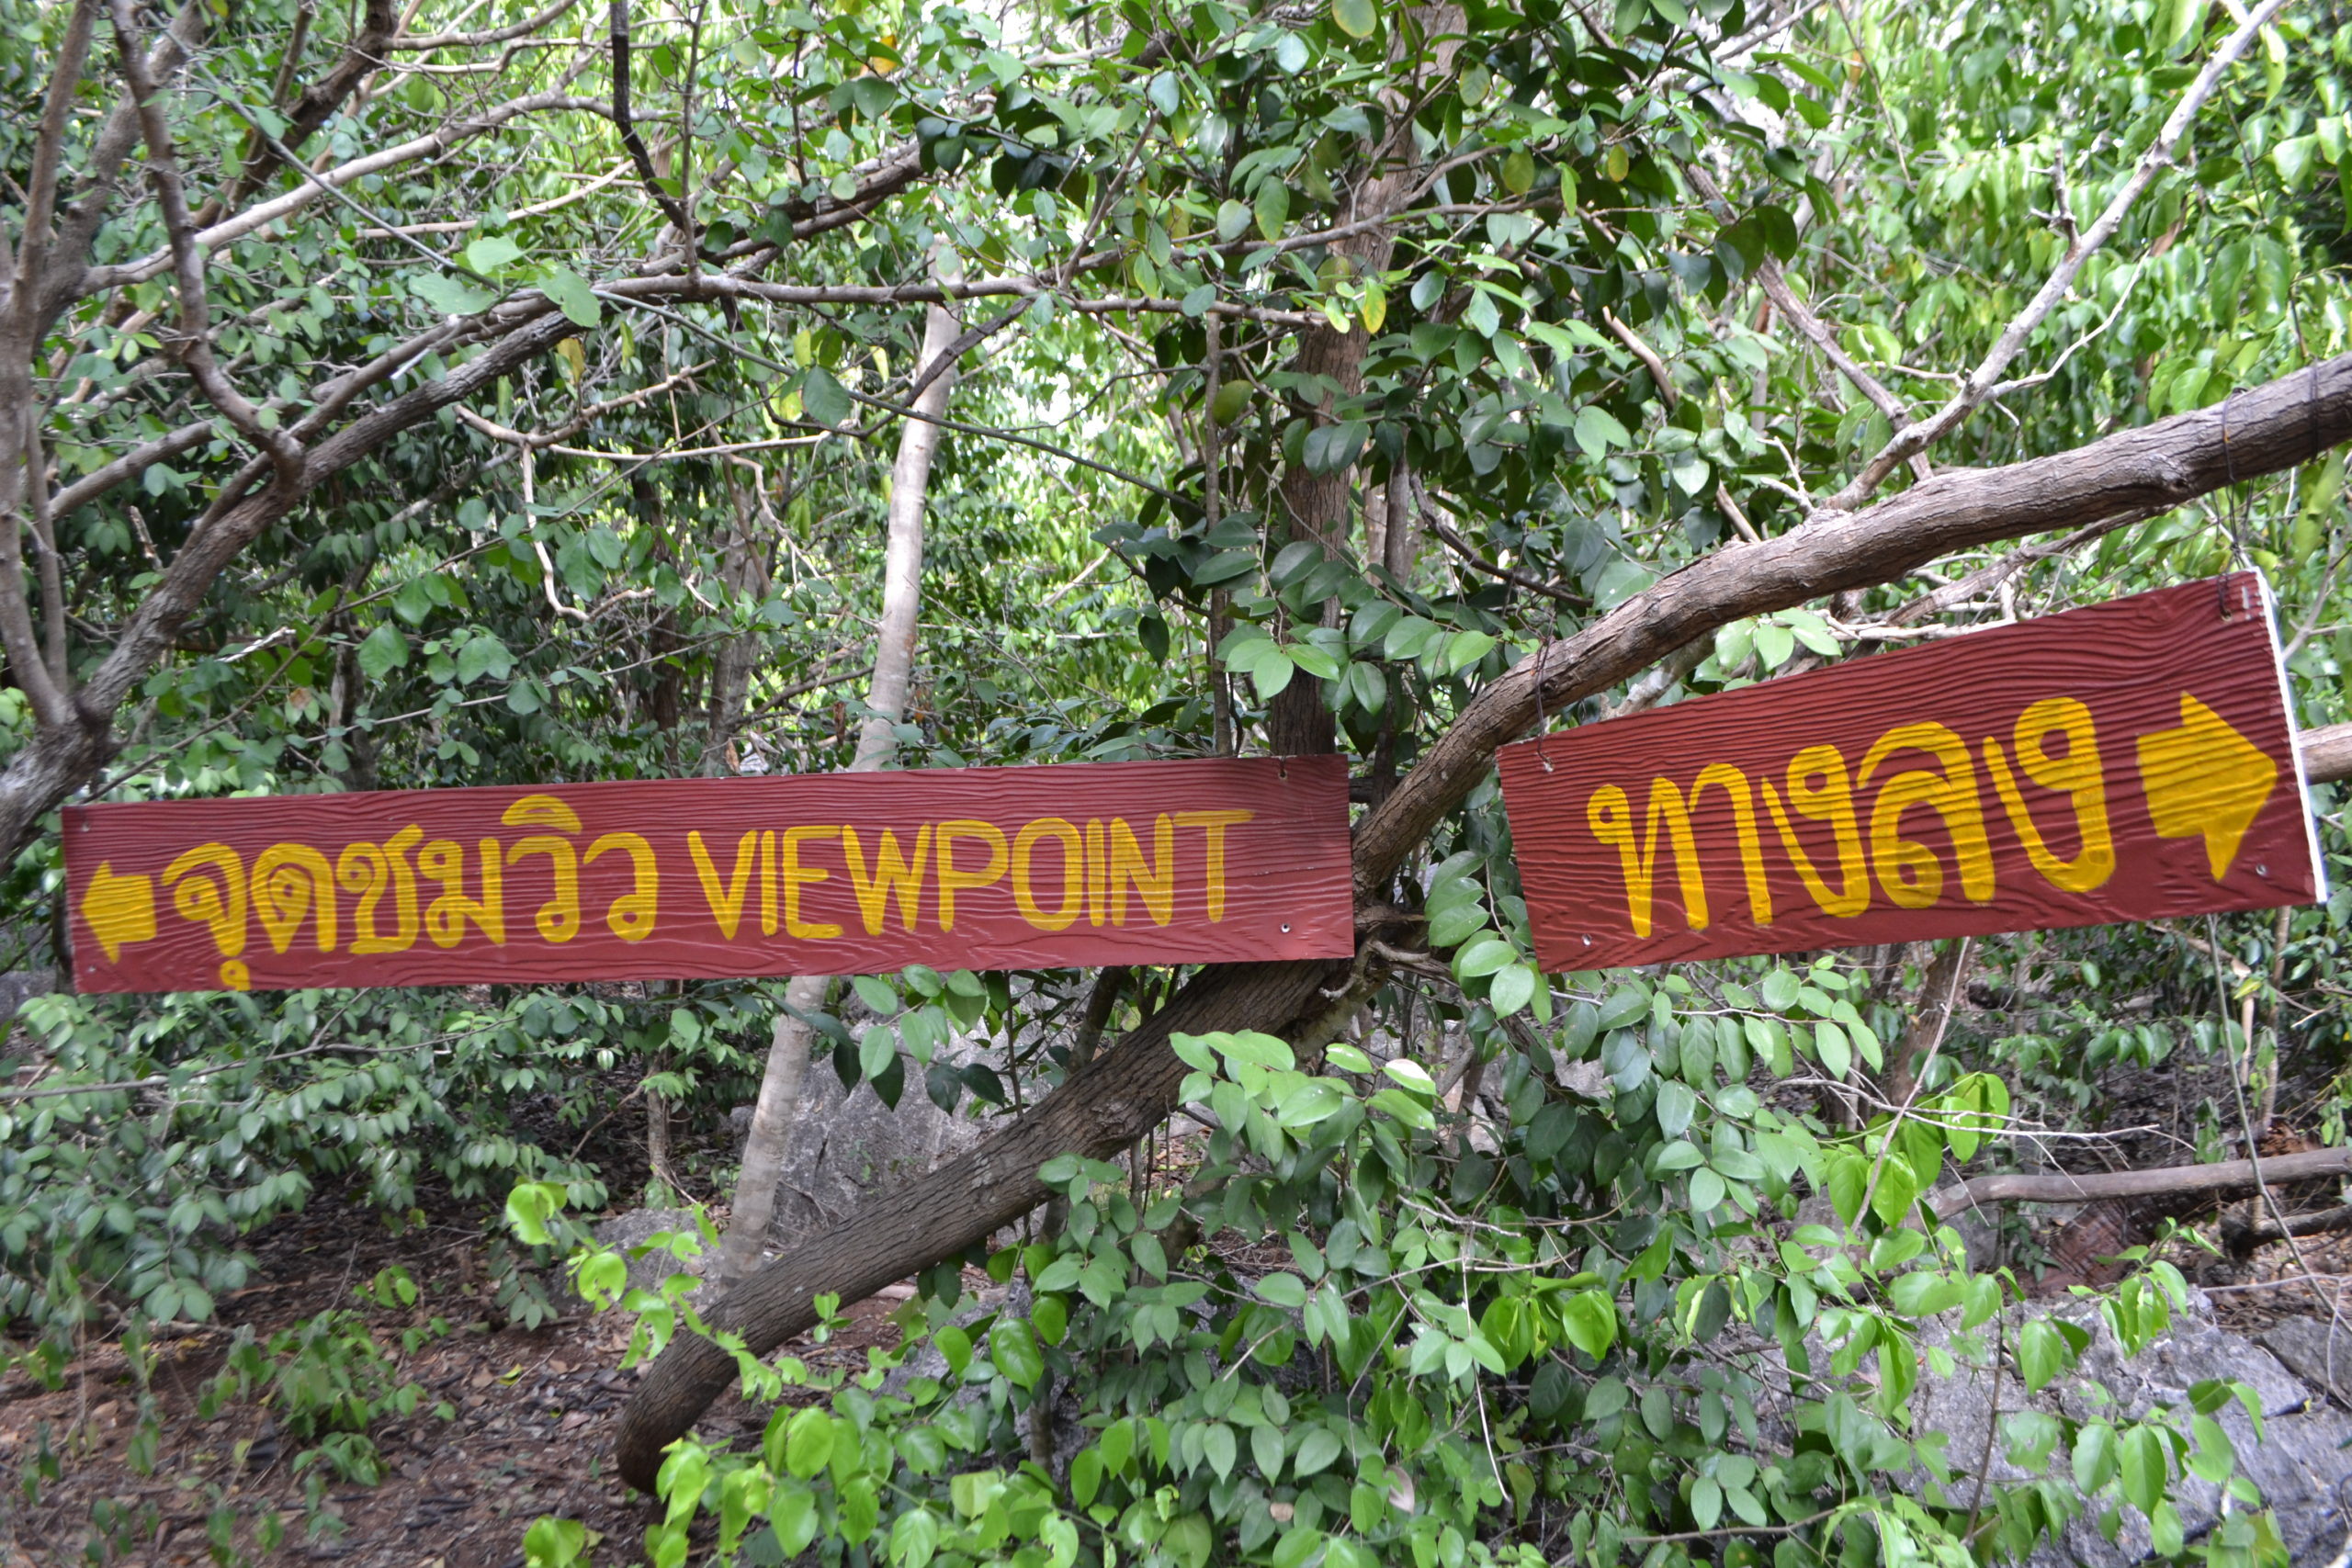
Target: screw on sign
[(2129, 761)]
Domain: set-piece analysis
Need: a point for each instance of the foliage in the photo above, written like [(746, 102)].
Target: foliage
[(646, 539)]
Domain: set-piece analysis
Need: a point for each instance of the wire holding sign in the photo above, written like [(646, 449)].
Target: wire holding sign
[(2129, 760)]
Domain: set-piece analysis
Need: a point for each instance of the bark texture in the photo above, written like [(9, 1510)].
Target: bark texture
[(2225, 1176), (767, 1148), (2141, 472)]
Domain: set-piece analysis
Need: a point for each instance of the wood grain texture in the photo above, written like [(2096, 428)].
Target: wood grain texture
[(2129, 760), (975, 868)]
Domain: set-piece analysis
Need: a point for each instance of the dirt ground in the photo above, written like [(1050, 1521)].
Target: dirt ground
[(531, 1433)]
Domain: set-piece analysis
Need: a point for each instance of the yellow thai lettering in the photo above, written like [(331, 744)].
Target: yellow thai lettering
[(208, 886), (1908, 870), (630, 916), (1025, 894), (1155, 882), (372, 870), (557, 919), (1831, 801), (951, 879), (444, 860), (1213, 824), (725, 903), (1733, 784), (2075, 772), (289, 882), (1611, 815), (795, 876), (893, 873)]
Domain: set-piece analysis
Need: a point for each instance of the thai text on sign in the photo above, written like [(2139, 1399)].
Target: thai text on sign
[(2129, 761), (980, 868)]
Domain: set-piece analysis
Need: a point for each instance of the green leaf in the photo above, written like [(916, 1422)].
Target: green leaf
[(1829, 1044), (1597, 430), (1316, 1099), (2041, 1355), (1485, 955), (875, 993), (1219, 1448), (451, 296), (1272, 672), (1706, 1502), (491, 255), (809, 1443), (1357, 18), (2141, 1467), (1316, 1452), (1013, 1347), (1589, 1319), (572, 296), (1271, 208), (1706, 1190), (1898, 1189), (1849, 1179), (823, 397), (1511, 989), (383, 651), (1284, 1289), (877, 1049), (2094, 1457), (1676, 1105)]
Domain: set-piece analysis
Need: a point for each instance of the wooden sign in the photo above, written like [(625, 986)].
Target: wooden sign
[(2129, 761), (974, 868)]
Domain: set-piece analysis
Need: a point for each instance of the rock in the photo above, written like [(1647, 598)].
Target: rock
[(2297, 1462), (2319, 1353), (20, 986)]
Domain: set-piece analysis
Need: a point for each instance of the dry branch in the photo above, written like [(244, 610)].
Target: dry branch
[(2226, 1175)]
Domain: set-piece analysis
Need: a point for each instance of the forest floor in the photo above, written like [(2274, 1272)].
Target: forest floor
[(513, 1423)]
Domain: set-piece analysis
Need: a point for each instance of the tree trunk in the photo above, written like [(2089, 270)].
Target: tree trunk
[(768, 1145), (2141, 472)]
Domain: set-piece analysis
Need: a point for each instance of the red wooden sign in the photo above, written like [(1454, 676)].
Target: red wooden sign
[(973, 868), (2129, 761)]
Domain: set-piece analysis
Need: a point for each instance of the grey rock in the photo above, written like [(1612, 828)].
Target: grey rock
[(2297, 1461), (20, 985), (2319, 1353)]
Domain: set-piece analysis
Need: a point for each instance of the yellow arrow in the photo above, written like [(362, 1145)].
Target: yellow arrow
[(2205, 779), (120, 910)]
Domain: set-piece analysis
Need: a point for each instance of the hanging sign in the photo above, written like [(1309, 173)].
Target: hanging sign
[(971, 868), (2129, 761)]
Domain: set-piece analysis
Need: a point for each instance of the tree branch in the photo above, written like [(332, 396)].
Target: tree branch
[(1916, 438), (194, 345), (2225, 1176)]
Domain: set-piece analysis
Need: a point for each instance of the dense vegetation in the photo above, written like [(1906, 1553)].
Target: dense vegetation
[(1320, 365)]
